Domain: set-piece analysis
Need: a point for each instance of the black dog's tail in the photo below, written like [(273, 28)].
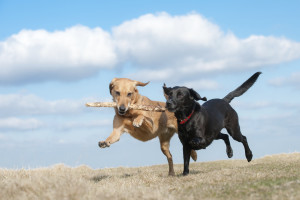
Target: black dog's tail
[(242, 89)]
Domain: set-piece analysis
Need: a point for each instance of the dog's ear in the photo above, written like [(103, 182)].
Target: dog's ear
[(196, 96), (166, 91), (138, 83), (111, 85)]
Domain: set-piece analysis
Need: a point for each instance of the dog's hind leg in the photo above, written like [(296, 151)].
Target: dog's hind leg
[(165, 148), (227, 142), (235, 132)]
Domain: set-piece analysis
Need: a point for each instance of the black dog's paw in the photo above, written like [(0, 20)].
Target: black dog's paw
[(185, 173), (197, 143), (249, 156), (229, 152)]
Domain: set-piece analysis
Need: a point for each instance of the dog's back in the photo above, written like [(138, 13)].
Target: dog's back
[(219, 114)]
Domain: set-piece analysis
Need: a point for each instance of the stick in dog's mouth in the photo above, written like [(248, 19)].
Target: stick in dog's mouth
[(132, 106)]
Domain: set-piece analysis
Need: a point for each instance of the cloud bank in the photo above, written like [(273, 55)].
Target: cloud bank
[(25, 112), (37, 55), (292, 80), (29, 104), (17, 124), (159, 46)]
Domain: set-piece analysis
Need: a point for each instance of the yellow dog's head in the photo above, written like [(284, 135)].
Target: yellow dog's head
[(124, 93)]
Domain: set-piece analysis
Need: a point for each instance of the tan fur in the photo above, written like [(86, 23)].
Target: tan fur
[(142, 125)]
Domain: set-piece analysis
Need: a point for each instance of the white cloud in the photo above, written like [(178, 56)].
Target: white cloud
[(17, 124), (2, 137), (172, 47), (203, 84), (31, 124), (159, 46), (292, 80), (37, 55), (71, 125), (48, 114), (265, 104), (29, 104), (254, 105)]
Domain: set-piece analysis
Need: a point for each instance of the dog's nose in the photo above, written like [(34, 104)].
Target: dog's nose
[(168, 104), (122, 108)]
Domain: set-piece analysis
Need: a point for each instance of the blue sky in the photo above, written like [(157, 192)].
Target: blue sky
[(57, 55)]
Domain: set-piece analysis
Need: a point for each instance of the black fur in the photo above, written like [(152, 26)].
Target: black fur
[(242, 89), (207, 120)]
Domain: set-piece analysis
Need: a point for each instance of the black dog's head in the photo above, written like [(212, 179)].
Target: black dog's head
[(179, 98)]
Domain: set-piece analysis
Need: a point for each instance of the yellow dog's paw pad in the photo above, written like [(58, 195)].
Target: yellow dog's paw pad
[(103, 144)]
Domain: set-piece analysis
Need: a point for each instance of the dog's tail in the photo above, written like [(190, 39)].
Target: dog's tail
[(242, 89)]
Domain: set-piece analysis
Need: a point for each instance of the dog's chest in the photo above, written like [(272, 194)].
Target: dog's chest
[(186, 130)]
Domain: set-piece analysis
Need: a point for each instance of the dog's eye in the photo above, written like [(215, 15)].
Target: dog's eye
[(117, 93), (179, 94), (129, 94)]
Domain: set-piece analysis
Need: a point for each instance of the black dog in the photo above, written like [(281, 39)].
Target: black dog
[(199, 125)]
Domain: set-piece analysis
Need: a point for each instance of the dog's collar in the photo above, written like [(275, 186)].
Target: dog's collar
[(188, 117)]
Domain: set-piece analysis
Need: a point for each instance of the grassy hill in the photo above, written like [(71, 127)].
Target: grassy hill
[(271, 177)]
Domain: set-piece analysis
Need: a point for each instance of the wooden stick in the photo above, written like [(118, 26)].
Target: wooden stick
[(132, 106)]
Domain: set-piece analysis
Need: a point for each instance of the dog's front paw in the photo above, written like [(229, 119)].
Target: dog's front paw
[(103, 144), (229, 152), (137, 122), (185, 173), (171, 173), (197, 143)]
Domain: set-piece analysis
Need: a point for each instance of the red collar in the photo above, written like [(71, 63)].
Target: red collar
[(186, 119)]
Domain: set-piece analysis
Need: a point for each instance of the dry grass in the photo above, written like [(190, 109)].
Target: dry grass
[(272, 177)]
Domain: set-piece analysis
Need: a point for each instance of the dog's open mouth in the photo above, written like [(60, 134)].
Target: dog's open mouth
[(122, 112), (170, 108)]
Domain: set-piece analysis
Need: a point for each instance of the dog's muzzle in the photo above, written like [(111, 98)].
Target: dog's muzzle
[(122, 110), (170, 106)]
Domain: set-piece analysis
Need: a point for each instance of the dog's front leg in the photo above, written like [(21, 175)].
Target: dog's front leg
[(138, 121), (114, 137), (198, 142), (118, 130), (186, 159)]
